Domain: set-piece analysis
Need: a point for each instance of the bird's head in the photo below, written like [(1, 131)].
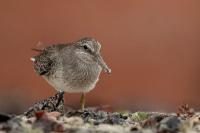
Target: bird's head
[(88, 51)]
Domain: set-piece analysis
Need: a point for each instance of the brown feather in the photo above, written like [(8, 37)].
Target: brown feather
[(37, 50)]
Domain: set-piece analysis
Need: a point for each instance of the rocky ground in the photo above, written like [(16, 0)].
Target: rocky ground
[(49, 116)]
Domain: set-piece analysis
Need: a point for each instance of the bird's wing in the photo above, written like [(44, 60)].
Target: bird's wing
[(46, 59), (43, 62)]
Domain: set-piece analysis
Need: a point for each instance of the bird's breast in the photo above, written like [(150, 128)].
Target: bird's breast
[(75, 77)]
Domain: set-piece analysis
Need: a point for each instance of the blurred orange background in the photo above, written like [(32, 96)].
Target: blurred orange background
[(153, 48)]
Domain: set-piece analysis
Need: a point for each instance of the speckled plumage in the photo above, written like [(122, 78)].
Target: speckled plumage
[(72, 67)]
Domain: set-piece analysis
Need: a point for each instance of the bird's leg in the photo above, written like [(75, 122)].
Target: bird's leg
[(82, 101)]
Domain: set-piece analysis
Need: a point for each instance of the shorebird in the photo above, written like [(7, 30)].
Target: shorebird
[(72, 67)]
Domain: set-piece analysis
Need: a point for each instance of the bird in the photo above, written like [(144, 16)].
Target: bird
[(72, 67)]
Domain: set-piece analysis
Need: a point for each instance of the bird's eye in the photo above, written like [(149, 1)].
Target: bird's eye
[(85, 47)]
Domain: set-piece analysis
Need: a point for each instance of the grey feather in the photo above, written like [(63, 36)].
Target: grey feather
[(72, 67)]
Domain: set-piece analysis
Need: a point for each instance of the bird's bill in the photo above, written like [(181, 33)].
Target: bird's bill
[(103, 64)]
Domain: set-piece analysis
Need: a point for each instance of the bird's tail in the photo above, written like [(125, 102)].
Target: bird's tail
[(37, 50)]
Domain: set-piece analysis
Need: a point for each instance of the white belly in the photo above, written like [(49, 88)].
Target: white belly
[(68, 80), (58, 82), (60, 85)]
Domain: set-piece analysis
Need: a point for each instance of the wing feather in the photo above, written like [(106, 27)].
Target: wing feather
[(43, 62)]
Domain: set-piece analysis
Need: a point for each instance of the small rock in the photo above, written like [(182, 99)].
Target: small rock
[(171, 123), (73, 121)]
